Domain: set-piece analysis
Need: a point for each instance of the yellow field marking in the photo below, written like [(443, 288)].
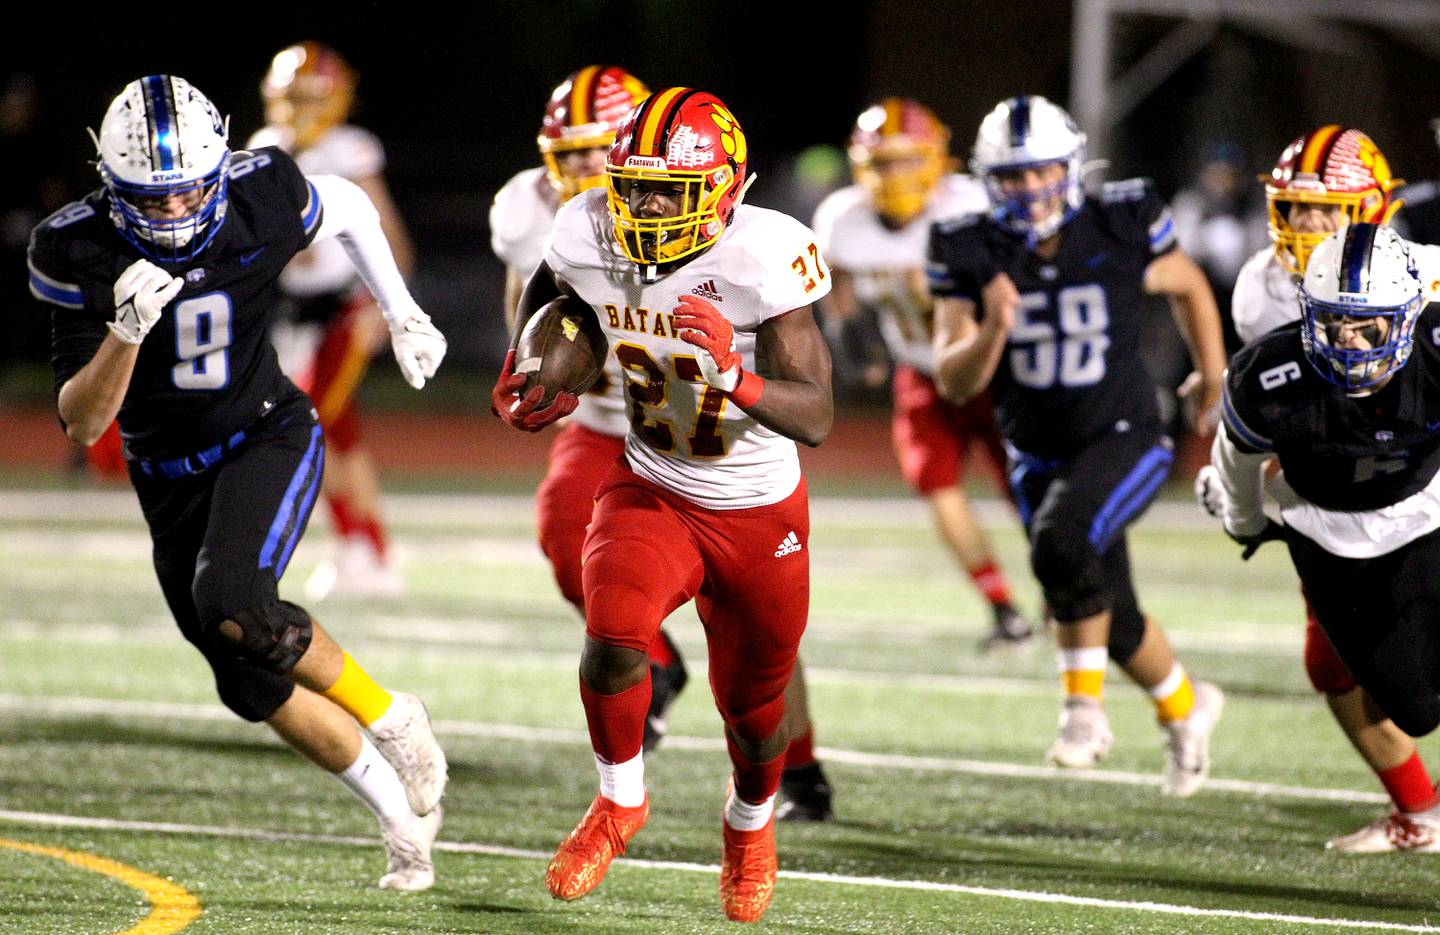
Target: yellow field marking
[(172, 907)]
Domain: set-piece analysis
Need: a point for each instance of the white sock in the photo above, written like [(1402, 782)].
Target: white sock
[(375, 782), (1167, 686), (623, 783), (1084, 659), (742, 816)]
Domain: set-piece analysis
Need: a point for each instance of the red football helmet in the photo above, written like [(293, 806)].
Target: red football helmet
[(1333, 166), (583, 113), (898, 152), (309, 88), (687, 139)]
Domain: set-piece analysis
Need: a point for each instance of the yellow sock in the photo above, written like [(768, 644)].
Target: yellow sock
[(358, 693), (1082, 671), (1174, 696)]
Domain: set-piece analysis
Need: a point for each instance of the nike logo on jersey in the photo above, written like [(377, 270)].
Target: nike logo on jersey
[(247, 258), (1097, 259), (1432, 426), (791, 543), (707, 290)]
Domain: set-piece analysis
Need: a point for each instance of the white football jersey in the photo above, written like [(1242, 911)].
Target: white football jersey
[(520, 220), (346, 151), (1265, 296), (685, 436), (887, 264)]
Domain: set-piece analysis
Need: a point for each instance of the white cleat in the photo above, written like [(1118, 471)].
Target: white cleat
[(1187, 744), (404, 737), (407, 850), (356, 573), (1396, 832), (1085, 735)]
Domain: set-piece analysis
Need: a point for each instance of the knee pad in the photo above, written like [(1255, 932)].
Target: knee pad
[(757, 724), (1069, 573), (1127, 630), (273, 636), (252, 694), (622, 615), (1415, 715), (1328, 673)]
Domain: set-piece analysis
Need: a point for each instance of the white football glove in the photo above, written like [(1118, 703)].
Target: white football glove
[(140, 294), (1209, 492), (419, 347)]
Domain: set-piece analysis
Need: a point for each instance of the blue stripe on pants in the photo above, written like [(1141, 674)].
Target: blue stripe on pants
[(304, 512), (1130, 496), (305, 476)]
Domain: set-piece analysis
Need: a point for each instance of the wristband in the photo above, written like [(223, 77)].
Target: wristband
[(747, 389)]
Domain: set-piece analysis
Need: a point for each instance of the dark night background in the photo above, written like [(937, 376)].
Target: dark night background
[(457, 97)]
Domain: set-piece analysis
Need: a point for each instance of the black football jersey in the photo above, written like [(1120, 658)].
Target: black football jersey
[(207, 368), (1071, 371), (1339, 452)]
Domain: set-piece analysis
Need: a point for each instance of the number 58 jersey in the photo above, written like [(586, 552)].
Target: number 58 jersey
[(207, 369), (1071, 371), (684, 435)]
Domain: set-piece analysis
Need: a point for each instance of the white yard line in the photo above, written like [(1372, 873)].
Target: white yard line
[(99, 707), (481, 510), (44, 819)]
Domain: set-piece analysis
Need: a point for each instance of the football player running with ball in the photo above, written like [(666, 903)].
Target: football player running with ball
[(1322, 182), (576, 134), (161, 287), (1041, 300), (1347, 399), (692, 288)]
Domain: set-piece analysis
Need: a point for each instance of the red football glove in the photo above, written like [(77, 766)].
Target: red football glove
[(519, 411), (701, 324)]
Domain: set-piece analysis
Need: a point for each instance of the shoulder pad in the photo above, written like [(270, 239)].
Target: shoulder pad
[(951, 225), (73, 212), (245, 161), (1125, 190)]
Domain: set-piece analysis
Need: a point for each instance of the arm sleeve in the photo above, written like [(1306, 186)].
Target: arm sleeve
[(350, 216), (1241, 476)]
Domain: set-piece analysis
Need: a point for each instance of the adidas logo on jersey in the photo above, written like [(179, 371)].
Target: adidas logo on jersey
[(707, 290), (791, 543)]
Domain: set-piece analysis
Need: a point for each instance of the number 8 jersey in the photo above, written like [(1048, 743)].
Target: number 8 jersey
[(1071, 371), (685, 436), (207, 368)]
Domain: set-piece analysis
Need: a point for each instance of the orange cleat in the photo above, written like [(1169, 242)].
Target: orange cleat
[(582, 859), (747, 872)]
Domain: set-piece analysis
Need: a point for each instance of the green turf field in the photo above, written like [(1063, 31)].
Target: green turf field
[(111, 746)]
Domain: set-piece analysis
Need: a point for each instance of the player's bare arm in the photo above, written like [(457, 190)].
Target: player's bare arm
[(89, 401), (797, 401), (1177, 277), (967, 351)]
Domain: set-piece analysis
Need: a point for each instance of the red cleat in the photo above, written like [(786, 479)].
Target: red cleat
[(747, 872), (581, 860)]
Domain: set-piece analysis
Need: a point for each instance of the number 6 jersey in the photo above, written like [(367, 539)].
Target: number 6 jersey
[(1071, 371), (207, 368), (684, 435)]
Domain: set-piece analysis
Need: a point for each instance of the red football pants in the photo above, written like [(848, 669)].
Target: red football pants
[(579, 460), (340, 364), (932, 437), (649, 551)]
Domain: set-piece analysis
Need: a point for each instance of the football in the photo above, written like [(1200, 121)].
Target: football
[(562, 348)]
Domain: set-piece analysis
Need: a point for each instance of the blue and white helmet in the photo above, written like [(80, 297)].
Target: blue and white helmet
[(1025, 132), (162, 137), (1358, 277)]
